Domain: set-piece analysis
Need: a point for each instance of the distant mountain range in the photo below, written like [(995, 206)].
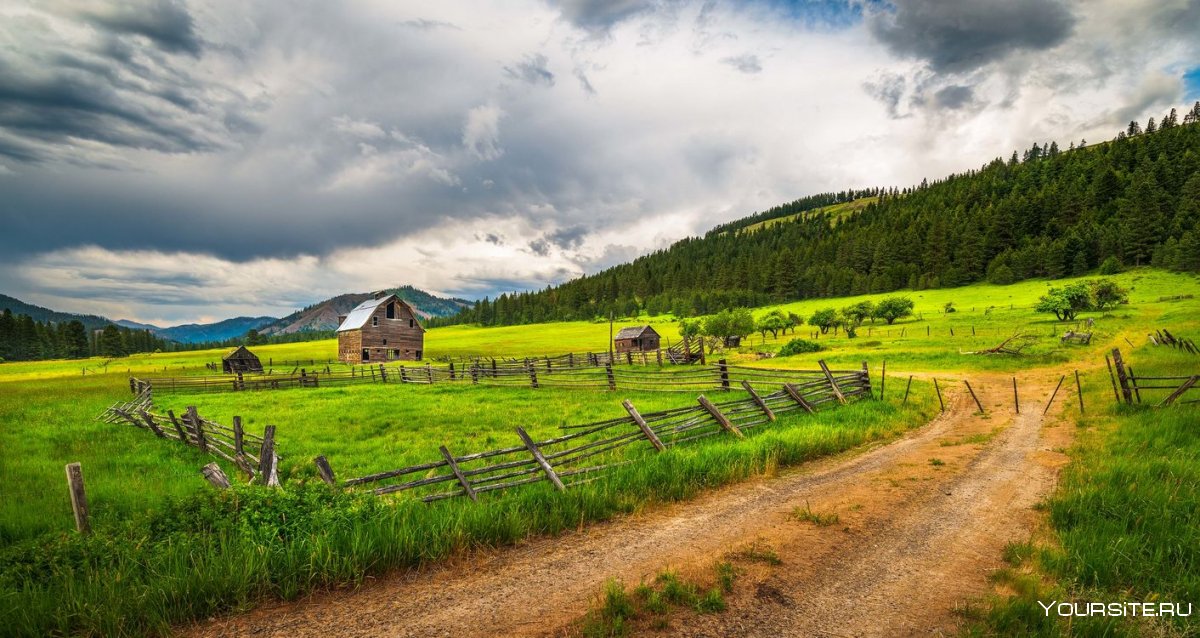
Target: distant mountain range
[(324, 315), (317, 317)]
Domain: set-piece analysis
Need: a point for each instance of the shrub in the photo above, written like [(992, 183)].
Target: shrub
[(799, 346), (1110, 266)]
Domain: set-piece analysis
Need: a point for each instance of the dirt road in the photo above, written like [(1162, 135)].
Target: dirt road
[(921, 522)]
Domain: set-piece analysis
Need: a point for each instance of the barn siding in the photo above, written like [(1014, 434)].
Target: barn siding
[(399, 339)]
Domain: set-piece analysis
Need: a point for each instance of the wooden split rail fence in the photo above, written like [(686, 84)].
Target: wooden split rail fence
[(1128, 386), (533, 373), (1164, 337), (253, 454), (587, 451)]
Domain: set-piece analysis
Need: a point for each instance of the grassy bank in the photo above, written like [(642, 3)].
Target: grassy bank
[(216, 552), (1124, 524)]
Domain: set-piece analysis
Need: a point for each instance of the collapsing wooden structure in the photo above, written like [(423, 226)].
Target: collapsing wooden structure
[(385, 328), (242, 361)]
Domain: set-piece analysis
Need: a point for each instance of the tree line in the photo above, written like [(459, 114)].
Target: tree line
[(1047, 212)]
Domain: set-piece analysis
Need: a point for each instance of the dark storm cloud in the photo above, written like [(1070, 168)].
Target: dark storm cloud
[(953, 97), (956, 36), (599, 15), (126, 85), (533, 70), (165, 22), (748, 63), (888, 88), (540, 247), (568, 238)]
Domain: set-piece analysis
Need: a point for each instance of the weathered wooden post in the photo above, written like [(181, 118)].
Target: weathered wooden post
[(428, 373), (612, 380), (798, 398), (659, 356), (882, 378), (324, 470), (762, 405), (541, 460), (452, 376), (641, 423), (197, 428), (1016, 399), (266, 457), (907, 388), (1054, 394), (1122, 376), (475, 373), (723, 373), (382, 373), (1079, 390), (721, 419), (178, 428), (215, 476), (532, 370), (238, 436), (972, 391), (938, 389), (78, 498), (837, 392)]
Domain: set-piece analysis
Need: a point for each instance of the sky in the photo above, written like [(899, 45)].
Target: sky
[(173, 161)]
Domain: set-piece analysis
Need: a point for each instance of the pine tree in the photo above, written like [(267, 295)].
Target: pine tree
[(110, 342)]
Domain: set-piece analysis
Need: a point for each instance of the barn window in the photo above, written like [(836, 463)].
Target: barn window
[(410, 323), (418, 355), (385, 342), (391, 311), (366, 355), (374, 321), (396, 353)]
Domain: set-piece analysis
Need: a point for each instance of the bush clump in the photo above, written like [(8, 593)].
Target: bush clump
[(799, 346)]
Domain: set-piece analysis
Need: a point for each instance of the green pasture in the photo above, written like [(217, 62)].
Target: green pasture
[(148, 494)]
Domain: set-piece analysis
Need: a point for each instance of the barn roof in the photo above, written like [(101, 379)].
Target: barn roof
[(363, 311), (239, 352), (633, 332)]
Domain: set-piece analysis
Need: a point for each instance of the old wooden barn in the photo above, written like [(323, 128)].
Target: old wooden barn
[(636, 339), (385, 328), (241, 360)]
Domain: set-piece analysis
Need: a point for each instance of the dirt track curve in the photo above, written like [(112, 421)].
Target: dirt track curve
[(914, 540)]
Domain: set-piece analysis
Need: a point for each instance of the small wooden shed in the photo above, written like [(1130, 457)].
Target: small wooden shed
[(241, 360), (636, 339)]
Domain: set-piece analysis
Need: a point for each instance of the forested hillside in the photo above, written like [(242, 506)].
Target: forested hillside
[(1050, 212)]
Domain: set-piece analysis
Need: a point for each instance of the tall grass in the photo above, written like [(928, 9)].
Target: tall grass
[(1125, 518), (216, 552)]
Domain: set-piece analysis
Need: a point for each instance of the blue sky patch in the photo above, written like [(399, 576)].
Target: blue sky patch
[(1191, 83)]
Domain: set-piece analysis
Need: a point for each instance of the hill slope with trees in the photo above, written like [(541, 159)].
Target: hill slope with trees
[(1048, 212)]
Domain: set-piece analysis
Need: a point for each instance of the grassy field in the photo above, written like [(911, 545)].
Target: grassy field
[(836, 212), (148, 494)]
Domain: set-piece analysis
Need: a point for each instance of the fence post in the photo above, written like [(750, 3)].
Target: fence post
[(1054, 394), (722, 420), (533, 382), (837, 392), (866, 377), (324, 470), (178, 428), (78, 498), (1187, 385), (798, 398), (907, 388), (266, 457), (659, 356), (1137, 392), (723, 373), (608, 370), (1079, 390), (382, 373), (762, 405), (215, 476), (541, 460), (641, 423), (1122, 377), (452, 376), (198, 428), (238, 435), (972, 391), (1016, 399), (1112, 378), (882, 379), (475, 373), (938, 389)]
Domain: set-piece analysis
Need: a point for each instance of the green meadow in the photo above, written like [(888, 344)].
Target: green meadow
[(168, 548)]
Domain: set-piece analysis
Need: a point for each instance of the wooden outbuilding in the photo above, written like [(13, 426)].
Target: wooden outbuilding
[(241, 360), (636, 339), (385, 328)]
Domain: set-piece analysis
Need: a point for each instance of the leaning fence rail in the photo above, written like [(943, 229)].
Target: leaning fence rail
[(1128, 386)]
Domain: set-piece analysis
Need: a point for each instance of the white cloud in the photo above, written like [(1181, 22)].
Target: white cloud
[(481, 133)]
